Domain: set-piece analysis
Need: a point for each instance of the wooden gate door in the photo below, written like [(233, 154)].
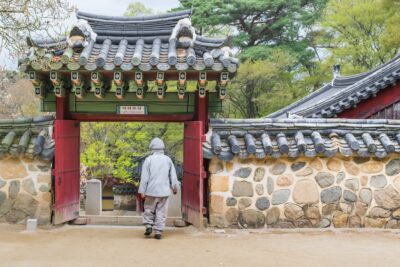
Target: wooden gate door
[(193, 173), (66, 171)]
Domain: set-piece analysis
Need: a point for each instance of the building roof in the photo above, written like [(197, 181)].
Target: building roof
[(158, 42), (276, 138), (343, 93), (28, 137)]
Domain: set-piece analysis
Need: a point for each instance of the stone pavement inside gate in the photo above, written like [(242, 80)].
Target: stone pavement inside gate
[(125, 246)]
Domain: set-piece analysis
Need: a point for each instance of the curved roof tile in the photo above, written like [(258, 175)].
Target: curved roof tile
[(343, 92), (293, 138)]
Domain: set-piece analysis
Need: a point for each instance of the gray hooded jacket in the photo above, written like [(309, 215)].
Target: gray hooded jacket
[(158, 172)]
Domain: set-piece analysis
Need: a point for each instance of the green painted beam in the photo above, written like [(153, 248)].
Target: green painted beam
[(109, 104)]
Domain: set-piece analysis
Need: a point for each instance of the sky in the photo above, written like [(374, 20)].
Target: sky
[(118, 7), (101, 7)]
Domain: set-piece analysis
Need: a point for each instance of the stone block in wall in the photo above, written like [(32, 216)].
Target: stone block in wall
[(244, 203), (29, 186), (44, 214), (324, 179), (293, 212), (243, 172), (387, 198), (334, 164), (272, 215), (280, 196), (374, 222), (219, 183), (340, 219), (232, 216), (393, 167), (316, 164), (262, 203), (242, 189), (305, 192), (278, 168), (284, 180), (331, 195), (13, 189), (393, 224), (312, 213), (354, 221), (44, 178), (217, 204), (251, 219), (12, 168), (215, 166), (297, 166), (351, 168), (378, 181), (259, 174), (396, 183), (372, 167)]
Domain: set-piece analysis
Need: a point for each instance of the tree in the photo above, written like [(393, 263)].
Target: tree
[(263, 86), (265, 31), (361, 34), (108, 149), (14, 101), (261, 25), (138, 9), (22, 18)]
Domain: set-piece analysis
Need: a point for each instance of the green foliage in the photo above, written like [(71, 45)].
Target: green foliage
[(108, 148), (275, 39), (264, 23), (138, 9), (263, 86), (361, 34)]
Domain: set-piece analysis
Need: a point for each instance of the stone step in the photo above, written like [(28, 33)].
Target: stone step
[(125, 220)]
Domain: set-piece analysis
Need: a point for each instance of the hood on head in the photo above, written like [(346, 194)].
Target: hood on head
[(156, 144)]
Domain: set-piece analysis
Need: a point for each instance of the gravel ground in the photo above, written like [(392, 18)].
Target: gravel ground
[(125, 246)]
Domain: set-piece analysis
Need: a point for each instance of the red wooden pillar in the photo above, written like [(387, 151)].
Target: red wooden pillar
[(62, 108), (201, 111)]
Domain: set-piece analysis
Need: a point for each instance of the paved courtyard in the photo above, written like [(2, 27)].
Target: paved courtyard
[(125, 246)]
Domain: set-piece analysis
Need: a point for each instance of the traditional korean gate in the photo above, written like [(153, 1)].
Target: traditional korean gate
[(66, 173), (193, 173)]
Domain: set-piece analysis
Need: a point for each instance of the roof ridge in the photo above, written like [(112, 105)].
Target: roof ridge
[(125, 19), (352, 88)]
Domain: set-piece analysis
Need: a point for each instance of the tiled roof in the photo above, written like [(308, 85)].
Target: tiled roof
[(30, 137), (297, 137), (160, 42), (343, 93)]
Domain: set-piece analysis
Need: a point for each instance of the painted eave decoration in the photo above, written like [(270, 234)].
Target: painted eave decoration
[(261, 138), (27, 137), (159, 43), (343, 93)]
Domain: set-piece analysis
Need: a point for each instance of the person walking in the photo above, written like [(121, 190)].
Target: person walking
[(158, 179)]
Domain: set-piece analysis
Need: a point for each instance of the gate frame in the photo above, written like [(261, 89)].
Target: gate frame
[(201, 115)]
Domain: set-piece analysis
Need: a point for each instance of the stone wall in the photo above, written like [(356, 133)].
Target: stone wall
[(25, 187), (305, 192)]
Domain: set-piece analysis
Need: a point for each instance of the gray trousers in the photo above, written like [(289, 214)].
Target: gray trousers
[(155, 213)]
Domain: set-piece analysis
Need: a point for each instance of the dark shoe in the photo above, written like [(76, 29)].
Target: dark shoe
[(157, 236), (148, 231)]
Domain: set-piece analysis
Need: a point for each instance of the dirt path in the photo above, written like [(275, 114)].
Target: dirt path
[(106, 246)]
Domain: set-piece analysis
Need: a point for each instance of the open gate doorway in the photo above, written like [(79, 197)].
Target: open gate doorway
[(66, 169)]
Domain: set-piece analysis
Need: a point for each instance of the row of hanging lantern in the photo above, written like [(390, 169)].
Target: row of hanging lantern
[(99, 85)]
